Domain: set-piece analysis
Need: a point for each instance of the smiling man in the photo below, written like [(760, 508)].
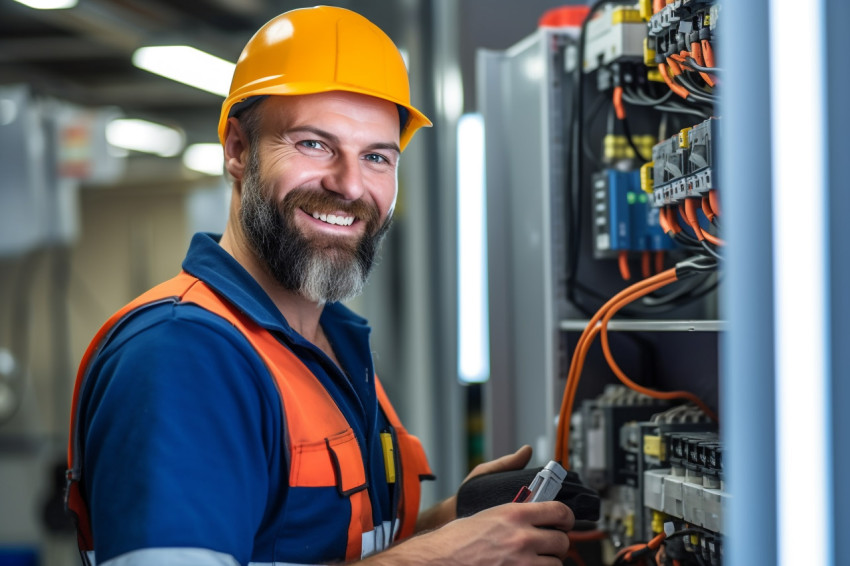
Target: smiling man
[(232, 414)]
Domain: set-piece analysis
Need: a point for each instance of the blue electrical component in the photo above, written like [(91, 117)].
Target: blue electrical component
[(624, 219)]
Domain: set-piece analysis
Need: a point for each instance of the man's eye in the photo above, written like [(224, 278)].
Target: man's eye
[(376, 158), (311, 144)]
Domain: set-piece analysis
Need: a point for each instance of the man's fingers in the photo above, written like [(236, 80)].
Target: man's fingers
[(549, 514), (515, 461)]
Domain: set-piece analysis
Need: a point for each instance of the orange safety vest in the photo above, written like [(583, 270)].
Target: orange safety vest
[(324, 451)]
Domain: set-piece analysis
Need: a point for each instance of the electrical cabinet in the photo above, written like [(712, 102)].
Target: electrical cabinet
[(571, 215)]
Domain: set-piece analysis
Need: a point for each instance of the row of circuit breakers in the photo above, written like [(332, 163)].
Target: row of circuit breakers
[(626, 203), (652, 463)]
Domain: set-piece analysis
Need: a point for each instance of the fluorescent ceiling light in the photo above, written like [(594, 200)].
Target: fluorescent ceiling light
[(48, 4), (141, 135), (187, 65), (473, 316), (204, 158)]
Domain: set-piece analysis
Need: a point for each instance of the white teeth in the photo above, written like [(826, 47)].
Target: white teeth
[(334, 219)]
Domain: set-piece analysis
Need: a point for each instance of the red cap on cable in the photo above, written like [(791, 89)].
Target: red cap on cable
[(565, 16)]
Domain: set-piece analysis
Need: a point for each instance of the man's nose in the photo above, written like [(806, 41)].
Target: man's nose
[(345, 178)]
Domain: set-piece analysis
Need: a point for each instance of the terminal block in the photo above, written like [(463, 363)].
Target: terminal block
[(685, 165), (678, 24)]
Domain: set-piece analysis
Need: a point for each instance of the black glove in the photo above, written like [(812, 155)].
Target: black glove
[(489, 490)]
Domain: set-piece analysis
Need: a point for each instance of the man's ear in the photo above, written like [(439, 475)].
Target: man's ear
[(235, 149)]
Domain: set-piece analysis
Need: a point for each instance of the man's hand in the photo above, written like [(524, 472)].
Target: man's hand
[(446, 510), (513, 533)]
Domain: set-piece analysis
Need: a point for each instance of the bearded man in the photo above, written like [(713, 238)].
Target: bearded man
[(232, 415)]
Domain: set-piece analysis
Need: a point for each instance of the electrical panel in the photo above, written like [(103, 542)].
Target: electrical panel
[(605, 253)]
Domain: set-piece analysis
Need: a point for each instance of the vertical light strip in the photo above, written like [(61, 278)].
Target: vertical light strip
[(801, 277), (473, 319)]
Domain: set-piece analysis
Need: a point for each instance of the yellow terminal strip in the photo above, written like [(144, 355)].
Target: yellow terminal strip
[(629, 525), (645, 8), (706, 20), (648, 54), (389, 456), (654, 75), (616, 147), (624, 15), (652, 445), (657, 525), (683, 138)]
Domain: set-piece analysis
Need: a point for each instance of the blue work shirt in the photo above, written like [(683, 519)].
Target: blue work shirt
[(183, 428)]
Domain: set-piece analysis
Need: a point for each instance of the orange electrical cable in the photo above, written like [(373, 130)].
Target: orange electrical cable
[(693, 222), (690, 215), (562, 440), (714, 201), (645, 269), (627, 550), (678, 89), (667, 395), (679, 215), (588, 536), (696, 54), (662, 220), (634, 291), (659, 261), (707, 53), (623, 262), (706, 208), (619, 108), (657, 6), (713, 239), (675, 66), (627, 553)]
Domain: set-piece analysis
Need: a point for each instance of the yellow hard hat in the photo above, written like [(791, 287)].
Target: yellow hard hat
[(321, 49)]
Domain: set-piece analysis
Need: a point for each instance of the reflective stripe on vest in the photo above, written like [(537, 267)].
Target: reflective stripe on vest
[(323, 450)]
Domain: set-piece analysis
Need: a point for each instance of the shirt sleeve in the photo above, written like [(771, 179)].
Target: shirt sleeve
[(181, 423)]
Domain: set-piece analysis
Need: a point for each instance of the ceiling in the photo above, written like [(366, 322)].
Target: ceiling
[(83, 54)]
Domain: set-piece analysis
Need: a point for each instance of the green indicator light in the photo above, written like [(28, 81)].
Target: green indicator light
[(630, 198)]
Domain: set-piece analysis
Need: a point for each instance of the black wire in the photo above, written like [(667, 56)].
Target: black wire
[(690, 531), (691, 62), (636, 99), (710, 250), (678, 108), (574, 196), (705, 287), (599, 103), (689, 80), (694, 91), (652, 300), (628, 133)]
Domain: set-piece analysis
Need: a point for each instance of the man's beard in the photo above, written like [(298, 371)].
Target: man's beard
[(324, 268)]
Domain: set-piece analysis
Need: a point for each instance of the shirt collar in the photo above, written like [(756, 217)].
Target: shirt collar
[(210, 263)]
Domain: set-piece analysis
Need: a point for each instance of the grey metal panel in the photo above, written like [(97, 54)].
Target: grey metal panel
[(521, 106), (497, 398), (747, 380)]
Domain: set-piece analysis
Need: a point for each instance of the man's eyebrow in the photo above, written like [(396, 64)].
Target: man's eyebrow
[(386, 145), (392, 146)]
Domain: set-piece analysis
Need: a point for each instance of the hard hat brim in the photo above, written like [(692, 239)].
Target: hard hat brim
[(415, 120)]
